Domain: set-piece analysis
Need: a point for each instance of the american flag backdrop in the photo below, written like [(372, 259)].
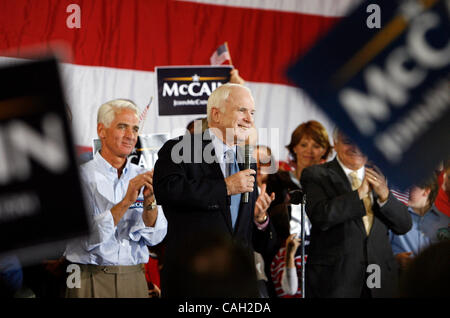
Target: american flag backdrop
[(114, 52)]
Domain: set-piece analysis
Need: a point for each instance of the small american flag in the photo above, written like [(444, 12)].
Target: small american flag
[(220, 55), (402, 196), (143, 115)]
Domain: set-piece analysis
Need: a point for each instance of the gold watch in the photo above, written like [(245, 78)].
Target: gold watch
[(152, 205), (264, 220)]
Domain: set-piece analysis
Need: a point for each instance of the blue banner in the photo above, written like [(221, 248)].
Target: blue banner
[(184, 90), (41, 200), (382, 75)]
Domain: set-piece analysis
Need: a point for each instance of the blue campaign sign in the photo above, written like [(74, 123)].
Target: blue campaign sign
[(184, 90), (41, 198), (382, 75)]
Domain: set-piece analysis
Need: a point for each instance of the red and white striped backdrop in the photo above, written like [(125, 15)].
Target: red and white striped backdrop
[(120, 42)]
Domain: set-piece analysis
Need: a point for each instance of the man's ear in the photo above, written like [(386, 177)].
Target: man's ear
[(101, 130), (215, 114)]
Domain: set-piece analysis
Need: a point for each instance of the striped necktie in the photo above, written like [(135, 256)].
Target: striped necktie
[(231, 167)]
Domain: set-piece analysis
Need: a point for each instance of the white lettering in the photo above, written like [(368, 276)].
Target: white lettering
[(205, 89), (374, 279), (373, 20), (183, 89), (395, 64), (143, 162), (419, 48), (20, 142), (273, 141), (362, 109), (186, 307), (410, 9), (169, 91), (73, 20), (181, 151), (383, 86), (191, 89), (74, 279), (18, 205), (399, 137), (246, 307), (48, 150), (390, 87)]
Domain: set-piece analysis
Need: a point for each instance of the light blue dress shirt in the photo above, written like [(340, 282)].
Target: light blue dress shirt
[(220, 149), (424, 232), (126, 243)]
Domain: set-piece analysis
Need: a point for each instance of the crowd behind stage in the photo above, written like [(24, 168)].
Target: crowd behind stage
[(183, 229)]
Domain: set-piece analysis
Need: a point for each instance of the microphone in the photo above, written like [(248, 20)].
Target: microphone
[(296, 196), (247, 159)]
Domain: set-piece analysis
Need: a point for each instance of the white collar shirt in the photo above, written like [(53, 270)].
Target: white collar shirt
[(107, 244), (360, 173), (220, 149)]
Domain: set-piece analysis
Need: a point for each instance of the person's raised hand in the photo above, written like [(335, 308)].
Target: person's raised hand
[(148, 189), (135, 185), (262, 204), (364, 188), (292, 244), (378, 183), (235, 77)]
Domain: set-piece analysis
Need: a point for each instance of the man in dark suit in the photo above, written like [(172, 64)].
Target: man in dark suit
[(351, 210), (199, 180)]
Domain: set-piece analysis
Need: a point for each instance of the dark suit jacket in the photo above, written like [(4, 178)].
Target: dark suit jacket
[(194, 198), (340, 249), (280, 183)]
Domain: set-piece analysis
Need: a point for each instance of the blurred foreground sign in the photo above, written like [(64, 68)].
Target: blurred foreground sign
[(40, 195), (387, 88)]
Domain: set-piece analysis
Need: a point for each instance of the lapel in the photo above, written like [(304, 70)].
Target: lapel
[(214, 166), (342, 185), (338, 177), (375, 208)]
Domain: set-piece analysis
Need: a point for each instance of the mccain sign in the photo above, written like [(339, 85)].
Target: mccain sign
[(184, 90)]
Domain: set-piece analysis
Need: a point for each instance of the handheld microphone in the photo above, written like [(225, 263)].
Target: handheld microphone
[(296, 196), (247, 159)]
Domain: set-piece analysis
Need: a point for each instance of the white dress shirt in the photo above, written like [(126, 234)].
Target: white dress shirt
[(360, 173), (126, 243)]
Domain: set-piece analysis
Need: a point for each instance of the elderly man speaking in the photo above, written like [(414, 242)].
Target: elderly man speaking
[(199, 182)]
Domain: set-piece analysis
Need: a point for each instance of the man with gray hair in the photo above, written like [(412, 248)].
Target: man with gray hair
[(351, 210), (199, 182), (122, 209)]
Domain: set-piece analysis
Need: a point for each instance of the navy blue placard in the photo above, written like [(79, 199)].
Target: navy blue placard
[(387, 88), (184, 90), (41, 200)]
